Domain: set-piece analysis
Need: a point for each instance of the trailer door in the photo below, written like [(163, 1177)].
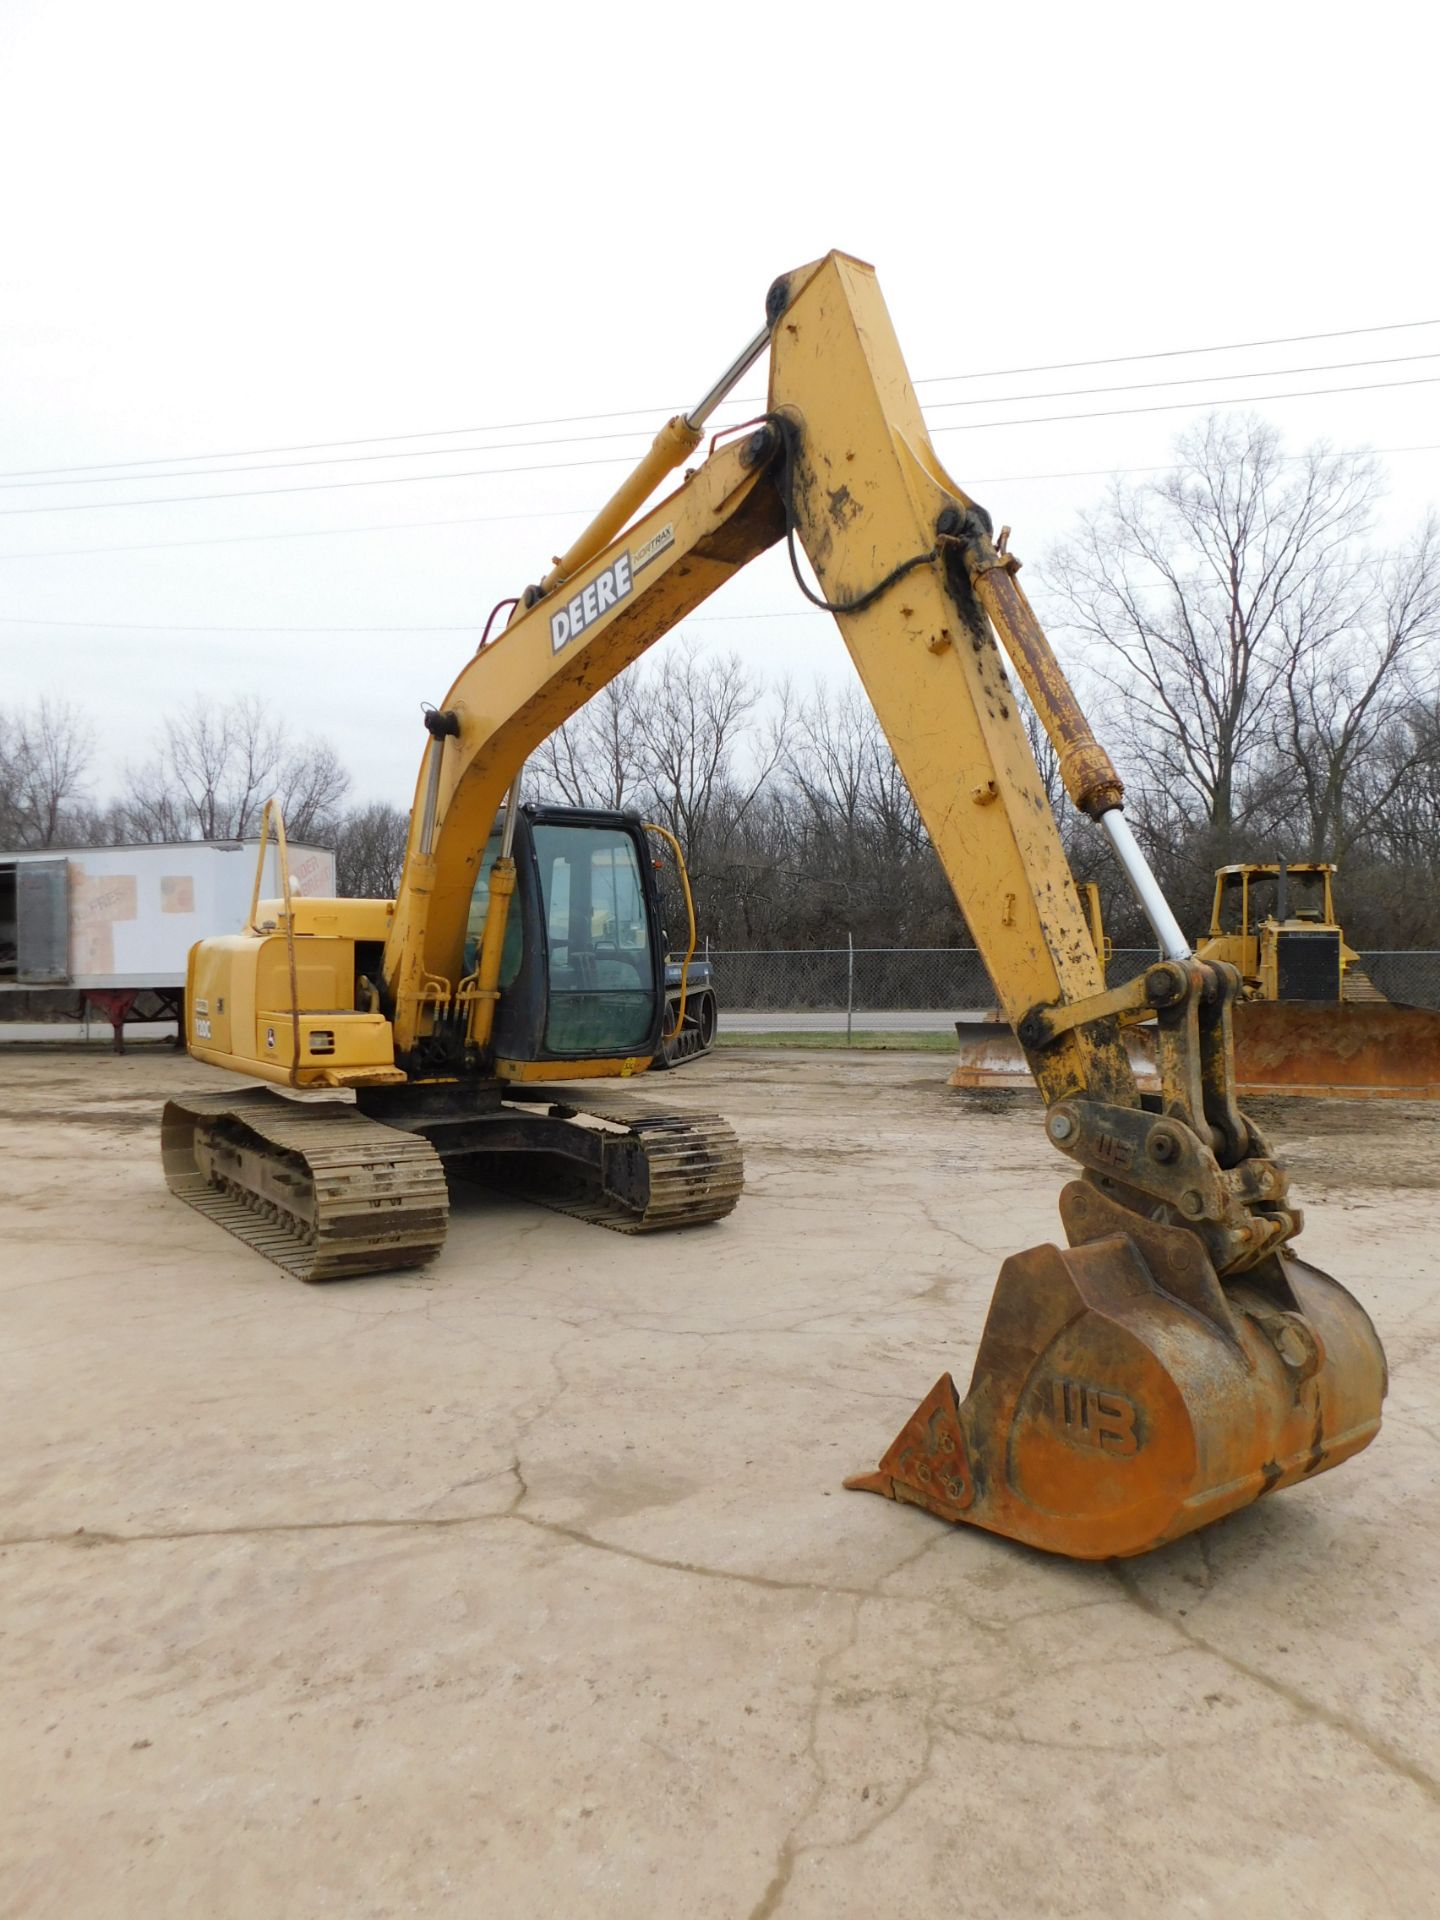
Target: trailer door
[(42, 899)]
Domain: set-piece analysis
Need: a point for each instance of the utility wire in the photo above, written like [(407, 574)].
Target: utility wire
[(611, 460), (1181, 406), (326, 486), (1139, 386), (146, 626), (620, 413), (580, 439), (405, 526), (587, 512), (1180, 353)]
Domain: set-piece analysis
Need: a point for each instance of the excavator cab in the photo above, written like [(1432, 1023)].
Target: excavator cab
[(582, 972)]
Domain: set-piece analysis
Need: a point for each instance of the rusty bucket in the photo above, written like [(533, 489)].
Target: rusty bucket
[(1122, 1397)]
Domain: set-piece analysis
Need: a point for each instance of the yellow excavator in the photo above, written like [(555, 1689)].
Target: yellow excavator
[(1177, 1359)]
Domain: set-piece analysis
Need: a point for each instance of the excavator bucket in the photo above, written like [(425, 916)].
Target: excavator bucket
[(1348, 1049), (1122, 1397)]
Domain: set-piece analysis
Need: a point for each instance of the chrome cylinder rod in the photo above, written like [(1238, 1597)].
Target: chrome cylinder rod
[(430, 806), (512, 808), (731, 377), (1173, 943)]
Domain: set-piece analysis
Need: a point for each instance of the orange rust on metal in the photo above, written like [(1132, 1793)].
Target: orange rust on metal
[(1123, 1397), (1345, 1051), (1357, 1050), (1086, 769)]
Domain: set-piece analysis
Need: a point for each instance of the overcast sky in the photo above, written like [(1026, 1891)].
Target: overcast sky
[(232, 226)]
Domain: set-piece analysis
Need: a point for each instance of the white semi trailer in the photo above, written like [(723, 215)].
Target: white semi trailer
[(108, 929)]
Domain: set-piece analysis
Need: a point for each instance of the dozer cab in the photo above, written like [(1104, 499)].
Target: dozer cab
[(1176, 1359)]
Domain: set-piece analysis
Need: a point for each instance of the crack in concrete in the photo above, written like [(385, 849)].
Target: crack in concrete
[(99, 1537), (790, 1850), (769, 1583), (954, 1233), (1389, 1756), (84, 1537)]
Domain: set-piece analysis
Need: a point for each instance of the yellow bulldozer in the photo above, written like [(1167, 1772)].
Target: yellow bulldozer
[(1309, 1019)]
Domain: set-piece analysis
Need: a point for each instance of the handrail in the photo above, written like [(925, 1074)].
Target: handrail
[(652, 826), (282, 849)]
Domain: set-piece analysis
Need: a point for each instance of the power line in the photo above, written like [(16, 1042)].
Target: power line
[(146, 626), (405, 526), (324, 486), (1180, 353), (555, 466), (620, 413), (1169, 406), (1140, 386), (575, 513), (302, 533), (354, 459), (580, 439)]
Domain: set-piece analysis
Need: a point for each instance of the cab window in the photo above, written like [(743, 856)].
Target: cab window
[(602, 970)]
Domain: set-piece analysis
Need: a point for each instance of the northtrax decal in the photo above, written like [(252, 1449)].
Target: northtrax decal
[(606, 590), (652, 548)]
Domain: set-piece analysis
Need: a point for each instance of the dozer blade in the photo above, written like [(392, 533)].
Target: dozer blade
[(991, 1056), (1122, 1396), (1346, 1049)]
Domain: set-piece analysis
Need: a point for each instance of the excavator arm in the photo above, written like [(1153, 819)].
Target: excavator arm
[(1176, 1360)]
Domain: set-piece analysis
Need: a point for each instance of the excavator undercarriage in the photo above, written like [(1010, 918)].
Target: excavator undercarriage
[(328, 1190)]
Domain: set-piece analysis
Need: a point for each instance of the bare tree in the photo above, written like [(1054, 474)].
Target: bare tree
[(1351, 684), (218, 765), (708, 750), (595, 758), (370, 851), (310, 783), (1198, 592), (45, 757)]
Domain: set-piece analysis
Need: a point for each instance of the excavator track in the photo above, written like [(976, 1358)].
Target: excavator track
[(319, 1189), (695, 1167), (328, 1193)]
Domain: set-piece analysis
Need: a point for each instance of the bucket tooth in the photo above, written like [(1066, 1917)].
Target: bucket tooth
[(927, 1463), (1119, 1400)]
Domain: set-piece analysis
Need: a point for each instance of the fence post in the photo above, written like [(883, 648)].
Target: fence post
[(849, 984)]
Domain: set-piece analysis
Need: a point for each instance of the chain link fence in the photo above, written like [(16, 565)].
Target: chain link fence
[(861, 980)]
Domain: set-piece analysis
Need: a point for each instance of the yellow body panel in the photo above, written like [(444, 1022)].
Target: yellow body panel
[(1254, 947), (239, 1013), (367, 920)]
